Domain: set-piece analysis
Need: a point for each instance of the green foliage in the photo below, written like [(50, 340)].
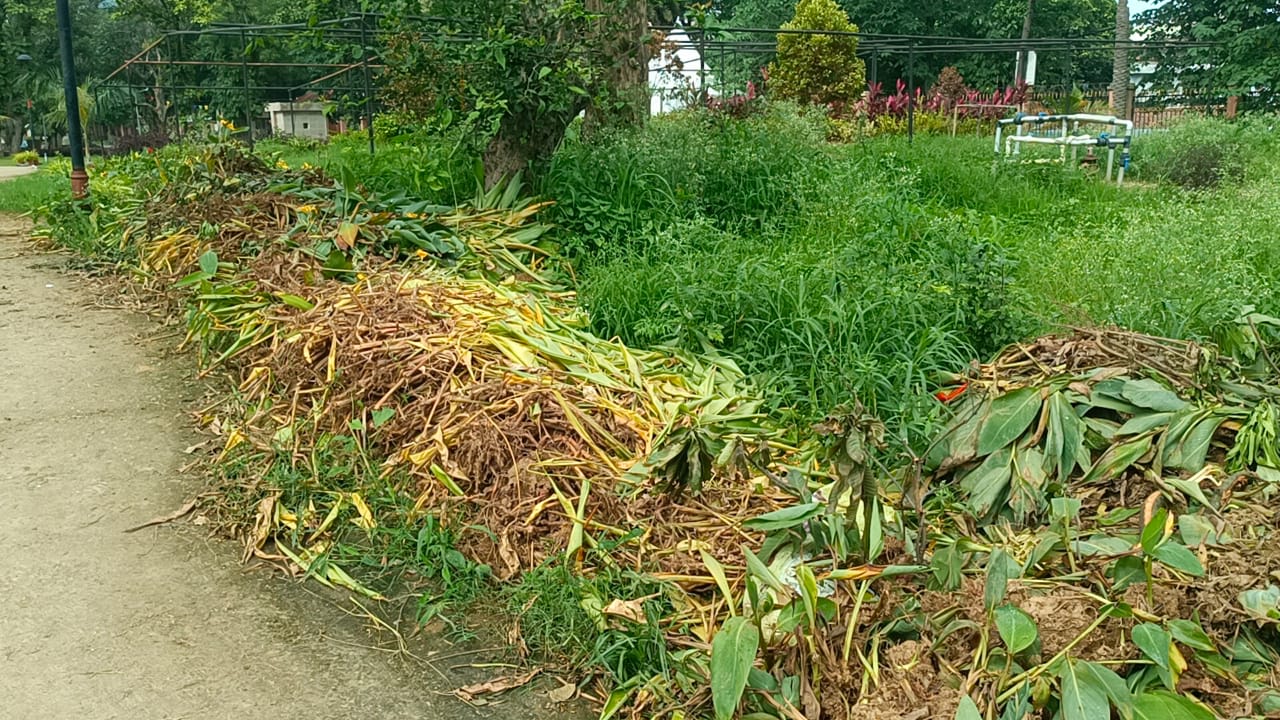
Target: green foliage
[(818, 69), (1239, 53), (1202, 152), (29, 192), (733, 652), (515, 72), (561, 615), (681, 167)]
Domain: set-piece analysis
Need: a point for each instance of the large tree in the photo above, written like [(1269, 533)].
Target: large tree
[(519, 71), (1246, 59)]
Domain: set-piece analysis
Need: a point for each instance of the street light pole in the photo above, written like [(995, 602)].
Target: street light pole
[(75, 134)]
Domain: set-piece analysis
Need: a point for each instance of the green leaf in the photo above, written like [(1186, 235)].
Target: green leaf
[(947, 567), (1153, 532), (1026, 484), (1109, 395), (1148, 393), (1178, 557), (1126, 571), (209, 263), (1101, 545), (1263, 604), (968, 709), (1118, 458), (1190, 488), (1191, 452), (1197, 530), (1064, 509), (733, 653), (1000, 568), (1154, 642), (1161, 705), (987, 484), (1017, 629), (1112, 684), (1189, 633), (616, 700), (960, 442), (295, 301), (1008, 417), (722, 580), (194, 278), (1084, 697), (756, 567), (381, 416), (1139, 424), (787, 517)]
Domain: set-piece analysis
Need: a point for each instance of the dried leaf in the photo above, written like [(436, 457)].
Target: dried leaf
[(496, 685)]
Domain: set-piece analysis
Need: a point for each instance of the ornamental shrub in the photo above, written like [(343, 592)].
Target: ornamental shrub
[(818, 69)]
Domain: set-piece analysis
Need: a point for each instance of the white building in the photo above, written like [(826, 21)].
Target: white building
[(300, 119)]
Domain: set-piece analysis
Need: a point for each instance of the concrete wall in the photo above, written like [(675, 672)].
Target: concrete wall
[(299, 119)]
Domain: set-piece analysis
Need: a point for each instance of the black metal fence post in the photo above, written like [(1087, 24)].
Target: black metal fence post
[(368, 82), (911, 93), (244, 77), (75, 133)]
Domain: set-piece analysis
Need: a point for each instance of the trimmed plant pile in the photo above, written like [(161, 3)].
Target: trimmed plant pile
[(419, 406)]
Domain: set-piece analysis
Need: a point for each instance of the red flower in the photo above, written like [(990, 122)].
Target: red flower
[(952, 394)]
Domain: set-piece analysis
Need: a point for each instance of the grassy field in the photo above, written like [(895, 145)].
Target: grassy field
[(865, 271), (24, 194)]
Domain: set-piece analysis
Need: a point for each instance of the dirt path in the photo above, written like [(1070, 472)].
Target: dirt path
[(162, 623), (11, 171)]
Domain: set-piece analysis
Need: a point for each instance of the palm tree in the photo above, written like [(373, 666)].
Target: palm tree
[(1120, 63)]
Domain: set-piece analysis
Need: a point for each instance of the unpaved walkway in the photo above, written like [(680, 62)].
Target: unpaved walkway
[(12, 171), (162, 623)]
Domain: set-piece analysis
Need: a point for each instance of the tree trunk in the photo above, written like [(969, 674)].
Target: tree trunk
[(17, 124), (521, 143), (1120, 63), (622, 33), (1020, 74)]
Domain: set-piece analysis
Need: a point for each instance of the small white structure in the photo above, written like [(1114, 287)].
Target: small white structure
[(1064, 132), (676, 74), (300, 119)]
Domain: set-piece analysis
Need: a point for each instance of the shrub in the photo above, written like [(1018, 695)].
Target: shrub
[(815, 68), (136, 142), (27, 157), (1200, 152)]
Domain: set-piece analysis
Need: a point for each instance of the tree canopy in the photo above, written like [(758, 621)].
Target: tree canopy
[(1247, 60)]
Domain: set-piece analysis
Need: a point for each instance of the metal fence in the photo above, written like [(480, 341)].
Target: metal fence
[(234, 70), (1150, 107)]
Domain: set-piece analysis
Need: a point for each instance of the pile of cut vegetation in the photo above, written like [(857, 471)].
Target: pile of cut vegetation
[(1092, 531)]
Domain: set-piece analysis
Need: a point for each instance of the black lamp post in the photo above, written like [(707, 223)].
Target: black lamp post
[(75, 134)]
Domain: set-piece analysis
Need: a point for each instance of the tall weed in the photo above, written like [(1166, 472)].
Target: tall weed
[(742, 173)]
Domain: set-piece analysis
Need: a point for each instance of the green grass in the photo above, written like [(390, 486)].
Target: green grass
[(26, 193), (867, 271), (429, 166)]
